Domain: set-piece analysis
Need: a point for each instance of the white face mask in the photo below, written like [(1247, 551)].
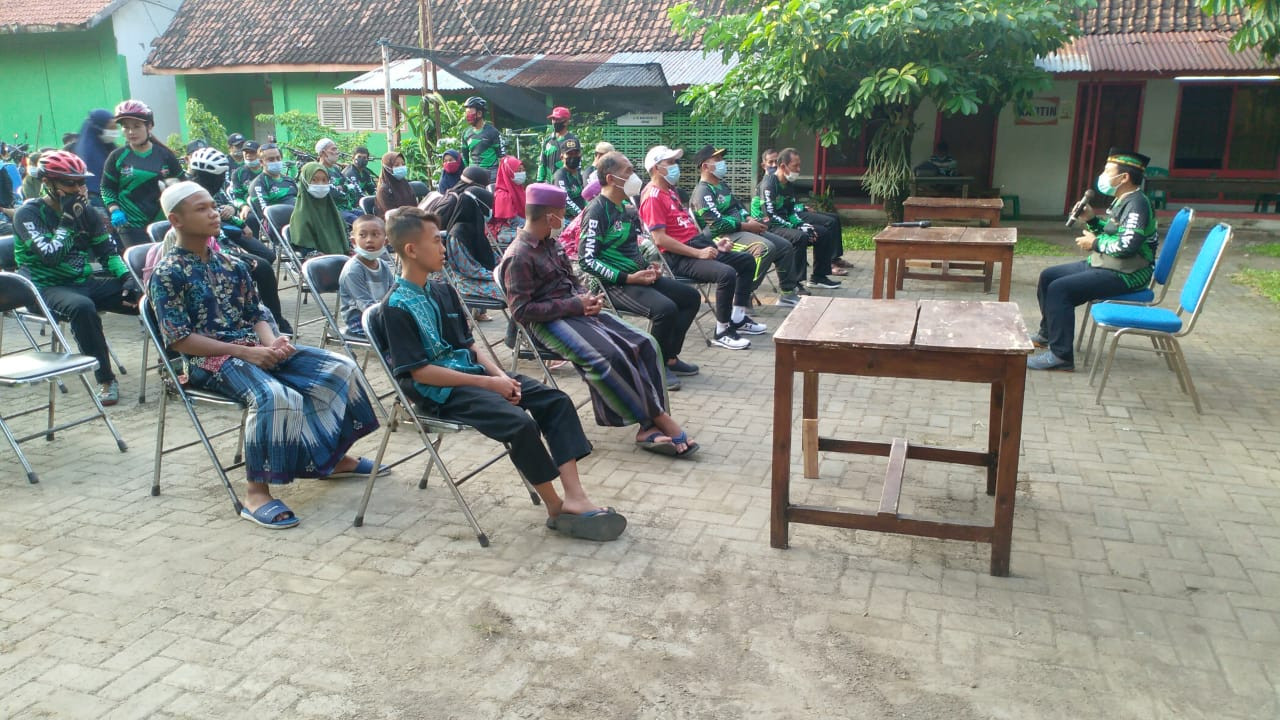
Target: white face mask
[(792, 177), (632, 186), (318, 190), (368, 254), (520, 177), (109, 136)]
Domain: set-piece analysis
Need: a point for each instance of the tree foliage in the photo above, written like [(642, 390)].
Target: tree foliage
[(833, 65), (300, 130), (1260, 26), (204, 125)]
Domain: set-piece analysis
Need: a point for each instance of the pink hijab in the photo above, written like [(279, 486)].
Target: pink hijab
[(508, 197)]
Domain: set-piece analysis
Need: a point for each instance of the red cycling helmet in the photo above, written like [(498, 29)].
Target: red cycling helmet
[(135, 109), (61, 164)]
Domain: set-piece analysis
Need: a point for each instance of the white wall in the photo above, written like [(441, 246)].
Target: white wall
[(136, 24), (1032, 160), (922, 143), (1159, 109)]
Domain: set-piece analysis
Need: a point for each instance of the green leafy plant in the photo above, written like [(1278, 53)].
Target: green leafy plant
[(174, 140), (204, 125), (418, 135), (302, 131), (1259, 24)]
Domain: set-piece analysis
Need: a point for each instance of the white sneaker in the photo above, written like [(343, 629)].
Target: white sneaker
[(729, 340), (747, 326)]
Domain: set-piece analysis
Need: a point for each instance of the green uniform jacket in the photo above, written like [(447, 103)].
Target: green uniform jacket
[(571, 183), (608, 246), (483, 147), (57, 250), (773, 206), (1128, 231), (715, 207), (132, 182)]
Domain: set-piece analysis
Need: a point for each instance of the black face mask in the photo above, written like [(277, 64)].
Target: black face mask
[(362, 161), (573, 163), (560, 125)]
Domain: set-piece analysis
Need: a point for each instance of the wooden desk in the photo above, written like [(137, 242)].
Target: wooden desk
[(983, 246), (954, 209), (980, 342), (964, 181)]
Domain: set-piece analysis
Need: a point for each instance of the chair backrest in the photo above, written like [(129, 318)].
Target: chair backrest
[(420, 189), (369, 205), (17, 292), (1173, 238), (322, 272), (7, 259), (135, 258), (1200, 278), (157, 230), (278, 217)]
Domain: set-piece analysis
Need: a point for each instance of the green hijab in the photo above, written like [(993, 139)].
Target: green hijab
[(316, 223)]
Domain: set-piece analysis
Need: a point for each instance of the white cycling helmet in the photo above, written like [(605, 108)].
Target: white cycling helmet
[(210, 160)]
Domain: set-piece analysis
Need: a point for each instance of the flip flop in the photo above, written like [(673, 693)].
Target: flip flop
[(598, 525), (660, 448), (364, 466), (683, 439), (266, 515)]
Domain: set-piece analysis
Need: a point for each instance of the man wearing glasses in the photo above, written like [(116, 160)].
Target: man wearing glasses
[(58, 237)]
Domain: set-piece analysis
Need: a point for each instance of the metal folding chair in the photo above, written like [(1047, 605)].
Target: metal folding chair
[(420, 189), (34, 366), (189, 397), (135, 258), (403, 411), (369, 205), (322, 274), (1166, 262), (1162, 325)]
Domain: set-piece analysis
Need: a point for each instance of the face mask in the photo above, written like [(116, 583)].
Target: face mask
[(1105, 186), (276, 167), (471, 116), (452, 166), (721, 168), (673, 174), (632, 186), (319, 190), (560, 125), (109, 136), (793, 176), (362, 161), (368, 254), (573, 163), (253, 163), (520, 177), (400, 171), (556, 221)]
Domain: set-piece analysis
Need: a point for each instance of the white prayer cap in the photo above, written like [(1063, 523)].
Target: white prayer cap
[(176, 193)]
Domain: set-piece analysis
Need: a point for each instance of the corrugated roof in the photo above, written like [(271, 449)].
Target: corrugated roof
[(581, 72), (1154, 53), (53, 15), (1110, 17)]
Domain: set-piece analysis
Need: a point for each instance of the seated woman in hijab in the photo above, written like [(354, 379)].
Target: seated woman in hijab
[(316, 226), (469, 257), (450, 170), (508, 202), (393, 189)]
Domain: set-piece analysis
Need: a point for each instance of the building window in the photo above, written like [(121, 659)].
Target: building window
[(352, 112), (1228, 128)]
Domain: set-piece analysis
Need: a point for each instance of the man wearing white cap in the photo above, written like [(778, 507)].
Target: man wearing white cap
[(306, 407), (346, 194)]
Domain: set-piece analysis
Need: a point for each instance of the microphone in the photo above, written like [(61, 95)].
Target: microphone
[(913, 223), (1079, 207)]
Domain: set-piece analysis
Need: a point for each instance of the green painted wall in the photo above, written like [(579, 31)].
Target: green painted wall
[(298, 91), (51, 81), (226, 96)]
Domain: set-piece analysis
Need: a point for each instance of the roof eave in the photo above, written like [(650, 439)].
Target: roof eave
[(148, 69), (88, 24)]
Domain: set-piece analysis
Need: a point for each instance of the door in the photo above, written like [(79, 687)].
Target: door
[(970, 140), (261, 130), (1107, 116)]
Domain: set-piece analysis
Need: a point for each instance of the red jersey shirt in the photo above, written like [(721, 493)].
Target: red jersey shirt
[(661, 210)]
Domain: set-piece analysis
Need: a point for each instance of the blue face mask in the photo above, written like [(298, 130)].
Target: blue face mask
[(400, 171), (673, 174), (275, 168), (252, 163), (1105, 186), (721, 169)]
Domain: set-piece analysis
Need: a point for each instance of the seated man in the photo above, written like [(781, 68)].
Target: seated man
[(345, 193), (435, 360), (621, 364), (775, 205), (272, 186), (1121, 259), (720, 212), (306, 407), (58, 236), (609, 250), (359, 174), (695, 255), (367, 277)]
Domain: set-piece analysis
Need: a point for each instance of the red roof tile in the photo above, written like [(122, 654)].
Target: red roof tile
[(210, 34), (49, 15), (1151, 16)]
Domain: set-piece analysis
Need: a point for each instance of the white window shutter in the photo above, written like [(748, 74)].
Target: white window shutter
[(384, 119), (332, 112), (363, 113)]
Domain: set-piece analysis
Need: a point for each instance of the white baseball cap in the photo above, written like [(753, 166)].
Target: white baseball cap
[(660, 153)]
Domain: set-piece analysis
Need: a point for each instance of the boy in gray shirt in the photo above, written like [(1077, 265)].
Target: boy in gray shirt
[(367, 277)]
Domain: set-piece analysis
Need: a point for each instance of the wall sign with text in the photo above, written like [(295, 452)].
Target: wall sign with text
[(1040, 111)]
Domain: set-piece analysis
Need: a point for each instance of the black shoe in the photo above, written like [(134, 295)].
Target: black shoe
[(680, 367), (825, 282), (801, 290)]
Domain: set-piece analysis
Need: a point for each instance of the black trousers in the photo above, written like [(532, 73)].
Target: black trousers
[(830, 244), (670, 304), (1061, 289), (79, 305), (779, 252), (733, 274), (251, 245), (543, 412), (129, 236)]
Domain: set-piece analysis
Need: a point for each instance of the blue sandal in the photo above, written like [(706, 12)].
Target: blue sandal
[(661, 448), (683, 439), (364, 466), (274, 515), (598, 525)]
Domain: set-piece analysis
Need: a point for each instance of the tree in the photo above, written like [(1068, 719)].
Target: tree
[(825, 65), (1259, 27)]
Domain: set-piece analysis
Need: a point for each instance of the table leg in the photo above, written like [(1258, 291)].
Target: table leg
[(1015, 377), (809, 425), (1006, 276), (993, 434), (891, 282), (877, 276), (780, 498)]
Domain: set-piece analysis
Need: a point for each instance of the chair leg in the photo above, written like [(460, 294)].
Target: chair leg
[(244, 419), (1181, 358), (48, 436), (1102, 348), (142, 391), (13, 442), (457, 496), (431, 461), (382, 451), (155, 473), (1102, 384), (116, 359), (1087, 321), (533, 494)]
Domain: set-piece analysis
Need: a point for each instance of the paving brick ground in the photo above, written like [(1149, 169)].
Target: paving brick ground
[(1145, 574)]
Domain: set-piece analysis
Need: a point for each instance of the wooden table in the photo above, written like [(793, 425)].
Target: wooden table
[(941, 208), (964, 181), (983, 246), (956, 341)]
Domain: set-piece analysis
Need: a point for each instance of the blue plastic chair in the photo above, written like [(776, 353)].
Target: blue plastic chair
[(1166, 261), (1162, 325)]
